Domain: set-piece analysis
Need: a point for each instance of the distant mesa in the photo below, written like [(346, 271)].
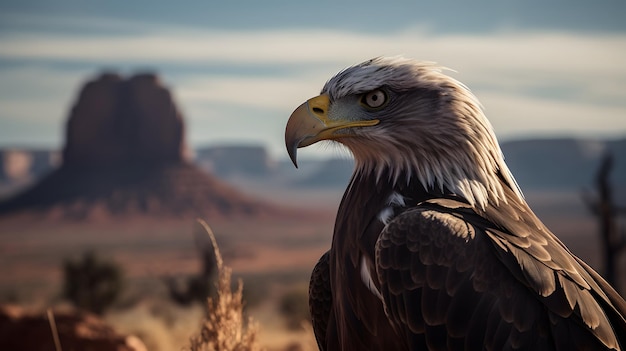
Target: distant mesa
[(20, 165), (120, 122), (235, 160), (125, 153), (564, 163)]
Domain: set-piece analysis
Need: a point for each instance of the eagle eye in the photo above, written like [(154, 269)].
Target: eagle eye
[(374, 99)]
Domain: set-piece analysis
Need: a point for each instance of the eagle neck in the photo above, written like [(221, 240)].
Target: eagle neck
[(357, 308), (357, 225), (361, 202)]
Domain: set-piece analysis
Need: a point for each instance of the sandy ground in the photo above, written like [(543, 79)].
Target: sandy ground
[(271, 255)]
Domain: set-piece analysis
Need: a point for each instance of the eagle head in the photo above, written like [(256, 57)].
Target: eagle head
[(407, 119)]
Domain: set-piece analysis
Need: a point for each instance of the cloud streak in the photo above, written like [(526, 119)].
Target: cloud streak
[(530, 82), (552, 51)]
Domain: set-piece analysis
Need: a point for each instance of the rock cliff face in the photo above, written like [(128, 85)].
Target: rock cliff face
[(118, 122), (125, 155)]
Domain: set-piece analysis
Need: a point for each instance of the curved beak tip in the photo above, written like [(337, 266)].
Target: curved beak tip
[(293, 154), (296, 131), (292, 142)]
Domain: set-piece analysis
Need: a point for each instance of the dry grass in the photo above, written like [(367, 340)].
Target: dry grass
[(53, 330), (224, 327), (159, 323)]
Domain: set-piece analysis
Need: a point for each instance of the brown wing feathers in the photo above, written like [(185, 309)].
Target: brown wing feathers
[(468, 295), (320, 300)]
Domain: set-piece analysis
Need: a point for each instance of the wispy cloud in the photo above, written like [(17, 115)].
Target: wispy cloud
[(529, 82), (124, 40), (514, 115), (263, 92), (550, 52)]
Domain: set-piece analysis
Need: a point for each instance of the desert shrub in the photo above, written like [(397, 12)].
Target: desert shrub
[(256, 290), (184, 292), (224, 327), (294, 305), (92, 283), (9, 296), (196, 288)]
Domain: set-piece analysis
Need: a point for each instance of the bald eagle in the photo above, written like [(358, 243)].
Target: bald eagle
[(434, 246)]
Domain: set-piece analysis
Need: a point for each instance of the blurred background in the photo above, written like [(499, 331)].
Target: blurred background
[(121, 122)]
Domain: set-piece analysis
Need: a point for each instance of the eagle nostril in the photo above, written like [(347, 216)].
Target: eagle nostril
[(318, 110)]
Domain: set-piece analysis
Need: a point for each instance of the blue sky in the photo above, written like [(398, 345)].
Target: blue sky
[(238, 68)]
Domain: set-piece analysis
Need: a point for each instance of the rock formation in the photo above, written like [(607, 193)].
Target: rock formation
[(21, 331), (124, 155), (119, 122)]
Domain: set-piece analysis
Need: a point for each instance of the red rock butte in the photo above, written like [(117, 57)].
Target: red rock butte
[(125, 154)]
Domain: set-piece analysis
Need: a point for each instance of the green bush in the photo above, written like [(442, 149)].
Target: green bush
[(91, 283)]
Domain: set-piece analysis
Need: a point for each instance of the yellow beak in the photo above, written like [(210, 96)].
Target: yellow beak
[(309, 123)]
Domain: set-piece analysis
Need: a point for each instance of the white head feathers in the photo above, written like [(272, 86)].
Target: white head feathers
[(434, 129)]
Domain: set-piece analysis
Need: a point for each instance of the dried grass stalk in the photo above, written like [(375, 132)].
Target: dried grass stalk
[(224, 328), (54, 330)]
